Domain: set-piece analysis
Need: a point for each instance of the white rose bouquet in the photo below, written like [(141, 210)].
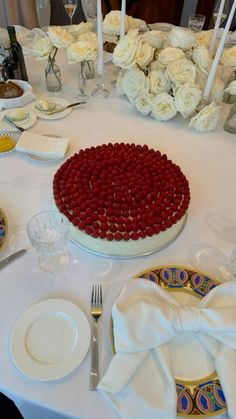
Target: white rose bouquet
[(165, 76), (46, 49)]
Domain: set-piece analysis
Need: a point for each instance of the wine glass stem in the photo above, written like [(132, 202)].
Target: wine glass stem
[(71, 17)]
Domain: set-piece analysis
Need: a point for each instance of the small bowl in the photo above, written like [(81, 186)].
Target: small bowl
[(45, 105), (17, 115)]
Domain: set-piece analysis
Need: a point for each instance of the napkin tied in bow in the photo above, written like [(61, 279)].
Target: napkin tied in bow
[(140, 379)]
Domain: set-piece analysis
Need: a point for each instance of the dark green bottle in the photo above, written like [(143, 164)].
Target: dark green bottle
[(16, 52)]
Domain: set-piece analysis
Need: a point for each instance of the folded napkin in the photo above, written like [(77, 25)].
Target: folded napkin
[(139, 381), (42, 146)]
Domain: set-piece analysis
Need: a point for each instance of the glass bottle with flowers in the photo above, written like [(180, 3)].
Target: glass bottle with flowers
[(46, 48), (83, 52)]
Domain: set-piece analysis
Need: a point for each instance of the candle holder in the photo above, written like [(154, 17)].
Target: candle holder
[(100, 91)]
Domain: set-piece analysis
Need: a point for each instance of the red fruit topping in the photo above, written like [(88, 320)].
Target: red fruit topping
[(121, 191)]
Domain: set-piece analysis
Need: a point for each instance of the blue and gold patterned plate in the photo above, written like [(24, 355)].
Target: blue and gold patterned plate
[(3, 229), (201, 397)]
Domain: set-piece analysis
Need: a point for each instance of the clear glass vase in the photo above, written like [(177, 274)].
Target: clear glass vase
[(53, 77), (230, 123), (82, 81), (228, 98)]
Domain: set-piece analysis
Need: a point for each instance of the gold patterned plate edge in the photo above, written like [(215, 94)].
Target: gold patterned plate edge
[(3, 229), (192, 390)]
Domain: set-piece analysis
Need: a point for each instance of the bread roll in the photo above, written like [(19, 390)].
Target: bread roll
[(9, 90)]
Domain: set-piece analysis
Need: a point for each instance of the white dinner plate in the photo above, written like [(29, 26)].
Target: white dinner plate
[(59, 102), (25, 123), (50, 339)]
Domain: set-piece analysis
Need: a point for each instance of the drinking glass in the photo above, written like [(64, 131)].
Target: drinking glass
[(225, 11), (90, 11), (70, 8), (196, 22), (48, 232)]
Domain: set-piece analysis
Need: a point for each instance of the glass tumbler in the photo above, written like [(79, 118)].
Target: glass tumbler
[(196, 22), (48, 232)]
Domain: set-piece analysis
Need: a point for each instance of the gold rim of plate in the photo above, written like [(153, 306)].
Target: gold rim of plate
[(191, 384)]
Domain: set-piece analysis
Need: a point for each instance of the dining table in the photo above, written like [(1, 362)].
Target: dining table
[(206, 159)]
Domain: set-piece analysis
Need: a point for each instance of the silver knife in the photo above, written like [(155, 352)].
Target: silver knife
[(62, 109), (12, 257)]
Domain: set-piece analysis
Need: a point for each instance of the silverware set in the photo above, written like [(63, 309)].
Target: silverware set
[(96, 310)]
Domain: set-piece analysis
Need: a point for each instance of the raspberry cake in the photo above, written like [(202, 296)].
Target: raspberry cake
[(122, 199)]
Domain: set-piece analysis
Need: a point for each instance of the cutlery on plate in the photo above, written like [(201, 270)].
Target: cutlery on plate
[(96, 311), (61, 109), (13, 124), (12, 257)]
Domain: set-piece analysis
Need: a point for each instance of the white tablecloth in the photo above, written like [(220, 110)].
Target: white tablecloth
[(208, 160)]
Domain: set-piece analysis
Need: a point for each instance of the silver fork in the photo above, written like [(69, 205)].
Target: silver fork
[(96, 311)]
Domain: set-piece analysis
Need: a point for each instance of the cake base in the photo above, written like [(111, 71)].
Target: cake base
[(123, 249)]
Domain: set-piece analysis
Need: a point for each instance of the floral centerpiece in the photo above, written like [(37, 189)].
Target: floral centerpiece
[(46, 49), (163, 75), (83, 52), (75, 37)]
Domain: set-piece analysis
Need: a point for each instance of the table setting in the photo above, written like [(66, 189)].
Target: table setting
[(117, 226)]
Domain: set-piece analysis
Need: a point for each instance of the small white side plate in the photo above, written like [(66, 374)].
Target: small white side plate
[(50, 339), (59, 102), (25, 123)]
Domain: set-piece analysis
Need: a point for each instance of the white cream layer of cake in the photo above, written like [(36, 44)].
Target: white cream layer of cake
[(127, 248)]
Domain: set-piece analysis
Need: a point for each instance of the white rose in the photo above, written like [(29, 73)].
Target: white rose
[(231, 89), (204, 37), (181, 71), (111, 23), (181, 38), (169, 54), (89, 36), (159, 82), (77, 30), (201, 58), (81, 51), (134, 83), (156, 39), (133, 33), (42, 48), (206, 119), (125, 52), (187, 97), (163, 107), (145, 55), (143, 103), (134, 23), (60, 37), (229, 57), (217, 90), (155, 65)]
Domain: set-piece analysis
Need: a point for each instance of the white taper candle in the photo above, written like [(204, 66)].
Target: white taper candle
[(122, 18), (100, 41), (216, 60), (217, 25)]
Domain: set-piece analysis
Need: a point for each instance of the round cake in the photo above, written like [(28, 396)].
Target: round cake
[(122, 199)]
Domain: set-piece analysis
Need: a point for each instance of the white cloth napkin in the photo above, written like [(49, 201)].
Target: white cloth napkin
[(42, 146), (140, 381)]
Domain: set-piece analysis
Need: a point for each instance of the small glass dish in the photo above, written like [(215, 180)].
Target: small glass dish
[(17, 116), (45, 105)]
